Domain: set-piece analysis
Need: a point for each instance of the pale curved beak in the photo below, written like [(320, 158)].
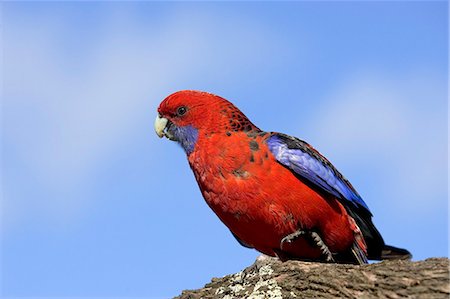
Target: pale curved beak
[(160, 125)]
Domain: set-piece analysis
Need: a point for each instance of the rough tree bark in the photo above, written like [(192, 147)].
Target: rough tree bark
[(270, 278)]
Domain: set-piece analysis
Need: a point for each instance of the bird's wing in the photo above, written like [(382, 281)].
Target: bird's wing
[(313, 168)]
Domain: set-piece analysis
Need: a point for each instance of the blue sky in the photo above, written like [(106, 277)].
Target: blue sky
[(95, 205)]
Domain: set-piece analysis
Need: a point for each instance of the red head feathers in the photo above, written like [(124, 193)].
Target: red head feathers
[(203, 111)]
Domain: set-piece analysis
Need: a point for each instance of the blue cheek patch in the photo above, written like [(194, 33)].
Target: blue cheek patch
[(186, 136)]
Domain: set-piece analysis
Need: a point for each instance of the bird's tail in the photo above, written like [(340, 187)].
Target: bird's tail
[(376, 248), (393, 253)]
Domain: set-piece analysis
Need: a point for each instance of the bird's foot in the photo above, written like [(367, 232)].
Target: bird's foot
[(314, 237), (291, 237), (323, 248)]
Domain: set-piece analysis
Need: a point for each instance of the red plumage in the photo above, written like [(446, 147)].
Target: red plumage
[(260, 200)]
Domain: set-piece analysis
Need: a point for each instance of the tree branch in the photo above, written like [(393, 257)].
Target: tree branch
[(270, 278)]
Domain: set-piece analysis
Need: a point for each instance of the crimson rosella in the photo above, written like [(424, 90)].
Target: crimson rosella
[(275, 192)]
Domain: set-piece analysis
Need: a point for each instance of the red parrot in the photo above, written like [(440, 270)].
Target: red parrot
[(275, 193)]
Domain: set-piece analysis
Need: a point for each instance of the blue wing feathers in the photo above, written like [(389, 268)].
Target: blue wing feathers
[(309, 164)]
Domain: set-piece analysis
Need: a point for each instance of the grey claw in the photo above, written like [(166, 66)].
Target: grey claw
[(291, 237), (315, 237), (324, 248)]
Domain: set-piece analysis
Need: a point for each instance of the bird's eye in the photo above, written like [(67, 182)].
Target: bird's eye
[(181, 110)]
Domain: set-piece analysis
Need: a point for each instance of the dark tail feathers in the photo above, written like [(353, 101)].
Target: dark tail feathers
[(376, 248), (393, 253)]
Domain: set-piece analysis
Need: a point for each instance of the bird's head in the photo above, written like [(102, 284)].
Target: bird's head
[(186, 115)]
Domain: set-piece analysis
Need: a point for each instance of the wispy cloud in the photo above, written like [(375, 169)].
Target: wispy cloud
[(393, 127), (67, 108)]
